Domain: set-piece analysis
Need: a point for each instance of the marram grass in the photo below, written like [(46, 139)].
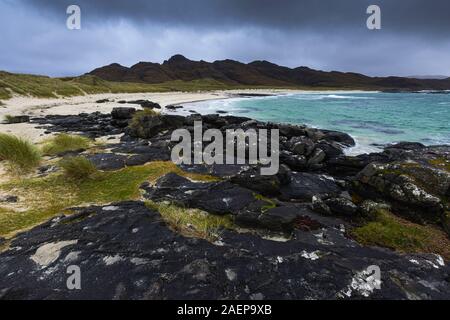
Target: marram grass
[(20, 155), (78, 168), (64, 143)]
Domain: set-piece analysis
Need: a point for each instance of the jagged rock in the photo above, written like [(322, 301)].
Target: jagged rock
[(295, 162), (266, 185), (222, 198), (148, 126), (304, 186), (317, 157), (301, 146), (122, 113), (126, 251), (340, 137), (93, 125), (369, 207), (108, 161), (280, 218), (414, 190), (331, 149), (214, 197), (338, 206)]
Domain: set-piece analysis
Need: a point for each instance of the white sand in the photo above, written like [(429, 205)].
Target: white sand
[(36, 107)]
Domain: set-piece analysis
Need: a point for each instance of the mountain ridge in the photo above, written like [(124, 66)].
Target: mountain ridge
[(257, 73)]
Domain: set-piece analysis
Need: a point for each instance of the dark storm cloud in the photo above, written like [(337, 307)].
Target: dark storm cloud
[(322, 34), (421, 16)]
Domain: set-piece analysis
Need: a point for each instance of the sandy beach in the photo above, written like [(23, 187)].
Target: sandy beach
[(38, 107)]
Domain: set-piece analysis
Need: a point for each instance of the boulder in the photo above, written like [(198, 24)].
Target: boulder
[(317, 157), (214, 197), (102, 101), (303, 186), (123, 113), (148, 126), (335, 205), (108, 161), (265, 185), (146, 104), (340, 137), (414, 190)]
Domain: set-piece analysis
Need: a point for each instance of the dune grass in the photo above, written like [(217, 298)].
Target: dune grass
[(192, 222), (390, 231), (46, 87), (62, 143), (20, 155), (48, 196), (78, 168)]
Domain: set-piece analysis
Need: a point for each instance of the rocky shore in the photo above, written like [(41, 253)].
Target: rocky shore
[(126, 251)]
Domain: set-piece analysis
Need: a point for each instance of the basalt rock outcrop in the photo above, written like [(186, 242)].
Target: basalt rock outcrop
[(126, 251)]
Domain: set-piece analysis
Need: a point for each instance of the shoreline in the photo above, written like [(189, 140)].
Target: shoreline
[(40, 107)]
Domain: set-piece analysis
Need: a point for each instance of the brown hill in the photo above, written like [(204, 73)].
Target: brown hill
[(258, 73)]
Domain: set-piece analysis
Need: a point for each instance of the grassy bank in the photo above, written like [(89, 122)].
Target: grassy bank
[(46, 87), (48, 196), (390, 231)]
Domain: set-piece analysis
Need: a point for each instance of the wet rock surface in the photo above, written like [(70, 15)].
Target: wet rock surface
[(126, 251)]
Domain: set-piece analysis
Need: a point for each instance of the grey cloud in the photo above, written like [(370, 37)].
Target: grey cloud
[(408, 16), (328, 35)]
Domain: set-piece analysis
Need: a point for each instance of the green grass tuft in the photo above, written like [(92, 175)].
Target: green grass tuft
[(20, 155), (192, 222), (78, 168), (63, 143), (390, 231)]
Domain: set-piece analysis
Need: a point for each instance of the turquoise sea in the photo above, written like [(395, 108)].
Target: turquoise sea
[(373, 119)]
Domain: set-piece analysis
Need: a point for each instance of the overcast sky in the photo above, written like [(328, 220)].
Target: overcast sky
[(321, 34)]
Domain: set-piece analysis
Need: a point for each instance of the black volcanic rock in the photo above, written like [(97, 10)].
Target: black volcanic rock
[(126, 251), (122, 113), (303, 186)]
